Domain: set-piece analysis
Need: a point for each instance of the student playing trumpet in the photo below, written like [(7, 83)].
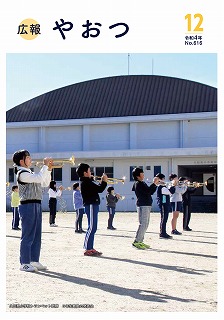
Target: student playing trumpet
[(53, 194), (112, 199), (143, 194), (176, 201), (163, 200), (90, 193)]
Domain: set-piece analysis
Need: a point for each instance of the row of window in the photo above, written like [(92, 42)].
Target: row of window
[(96, 171)]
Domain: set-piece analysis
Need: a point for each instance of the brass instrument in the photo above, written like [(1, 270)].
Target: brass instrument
[(194, 184), (120, 197), (68, 188), (8, 190), (57, 164), (111, 180), (165, 183)]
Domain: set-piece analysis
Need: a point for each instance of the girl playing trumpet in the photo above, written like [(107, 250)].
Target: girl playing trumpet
[(53, 194)]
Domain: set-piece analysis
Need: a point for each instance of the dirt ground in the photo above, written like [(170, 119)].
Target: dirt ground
[(178, 275)]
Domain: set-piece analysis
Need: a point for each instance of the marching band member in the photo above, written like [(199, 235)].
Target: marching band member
[(187, 204), (79, 207), (163, 200), (176, 201), (15, 201), (144, 194), (112, 199), (90, 193), (30, 192), (53, 193)]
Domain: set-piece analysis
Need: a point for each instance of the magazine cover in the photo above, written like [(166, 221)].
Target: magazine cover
[(110, 158)]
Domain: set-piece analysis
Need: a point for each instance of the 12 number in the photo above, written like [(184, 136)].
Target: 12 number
[(198, 27)]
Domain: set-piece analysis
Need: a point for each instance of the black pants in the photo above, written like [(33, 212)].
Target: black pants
[(53, 208), (186, 215), (164, 211), (111, 211), (79, 216)]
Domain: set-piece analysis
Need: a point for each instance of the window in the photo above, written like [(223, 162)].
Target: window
[(56, 174), (11, 175), (131, 169), (74, 175), (95, 171), (157, 169), (109, 171)]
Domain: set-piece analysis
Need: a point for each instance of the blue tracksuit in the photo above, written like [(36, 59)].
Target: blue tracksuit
[(91, 201)]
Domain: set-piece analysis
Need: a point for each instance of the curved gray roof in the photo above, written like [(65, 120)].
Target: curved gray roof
[(119, 96)]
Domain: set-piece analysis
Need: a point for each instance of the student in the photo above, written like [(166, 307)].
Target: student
[(53, 194), (90, 193), (111, 199), (144, 194), (187, 204), (163, 200), (176, 201), (30, 192), (15, 201), (79, 207)]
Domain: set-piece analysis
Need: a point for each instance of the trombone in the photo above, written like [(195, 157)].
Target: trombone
[(111, 180), (57, 164)]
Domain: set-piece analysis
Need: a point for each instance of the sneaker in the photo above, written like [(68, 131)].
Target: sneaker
[(78, 231), (165, 236), (98, 253), (28, 268), (139, 245), (16, 228), (92, 252), (111, 228), (176, 232), (53, 225), (187, 229), (38, 265), (147, 246)]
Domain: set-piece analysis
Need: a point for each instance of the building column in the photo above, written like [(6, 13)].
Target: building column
[(42, 139), (184, 130), (85, 138), (133, 136)]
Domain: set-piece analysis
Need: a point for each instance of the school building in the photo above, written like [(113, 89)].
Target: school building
[(114, 124)]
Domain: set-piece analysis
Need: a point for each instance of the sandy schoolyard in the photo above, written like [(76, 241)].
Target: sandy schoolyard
[(178, 275)]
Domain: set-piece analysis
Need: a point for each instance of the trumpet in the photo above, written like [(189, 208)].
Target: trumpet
[(120, 197), (165, 183), (57, 164), (111, 180), (67, 188), (194, 184)]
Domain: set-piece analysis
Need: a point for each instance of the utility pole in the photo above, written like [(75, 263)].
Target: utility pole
[(128, 62)]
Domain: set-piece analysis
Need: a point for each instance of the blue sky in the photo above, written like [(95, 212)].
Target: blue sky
[(32, 74)]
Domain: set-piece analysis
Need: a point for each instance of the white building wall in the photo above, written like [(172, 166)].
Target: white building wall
[(159, 134), (156, 132), (20, 137), (110, 136), (201, 133), (59, 139)]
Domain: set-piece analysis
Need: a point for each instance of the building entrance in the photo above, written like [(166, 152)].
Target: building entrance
[(204, 199)]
